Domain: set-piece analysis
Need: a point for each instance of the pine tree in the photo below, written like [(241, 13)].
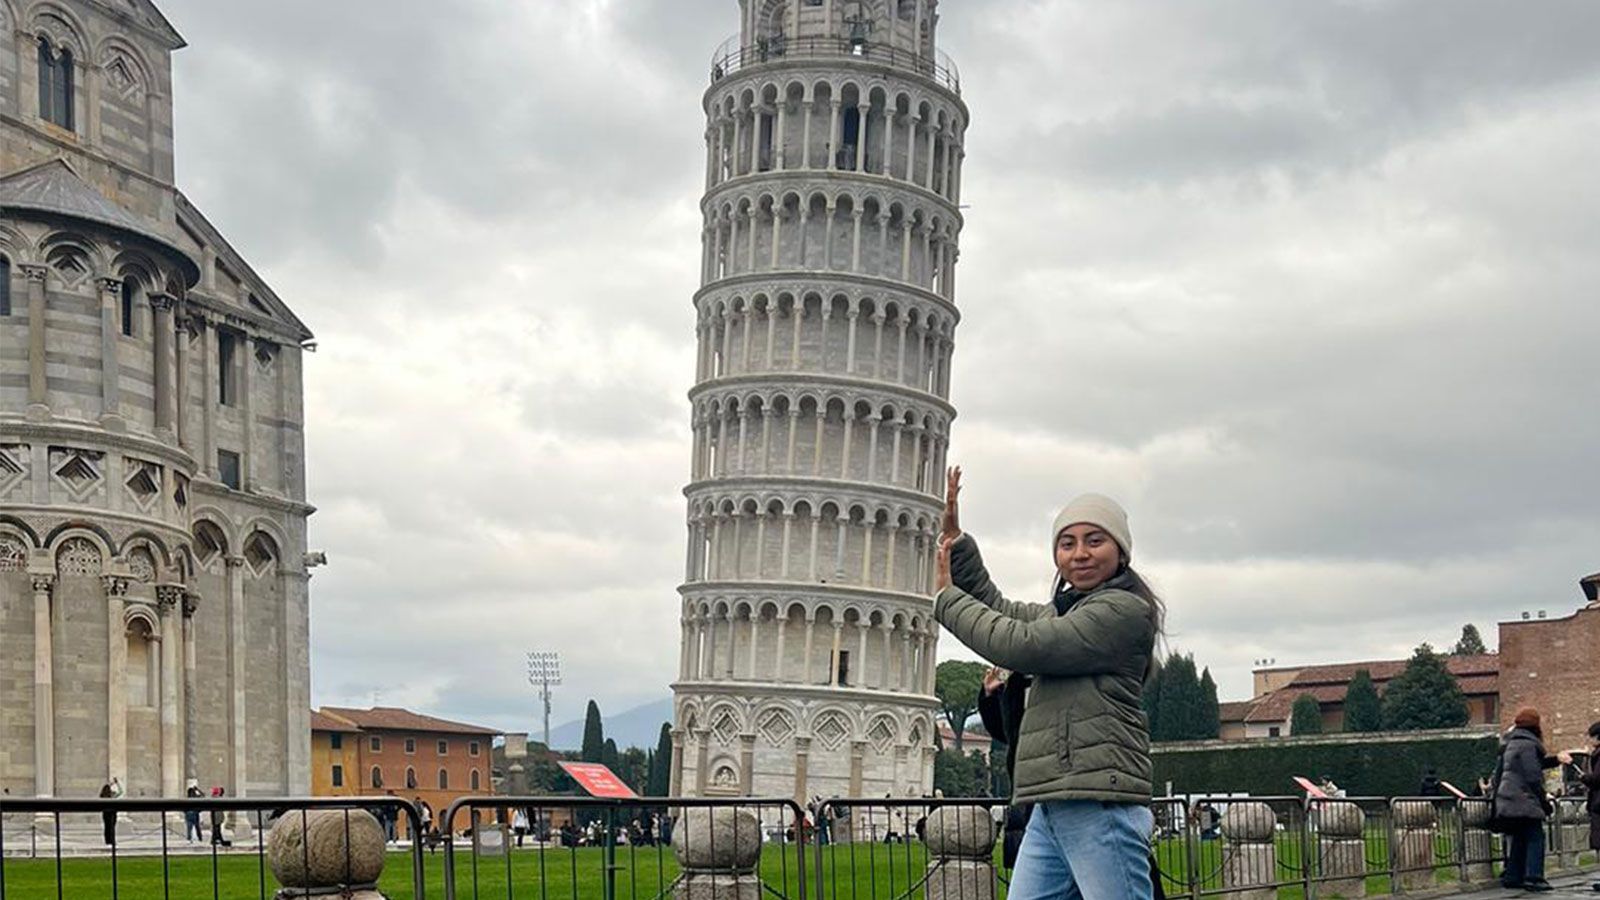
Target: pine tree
[(1306, 716), (1424, 695), (1210, 707), (1471, 643), (1363, 711), (957, 683), (660, 782), (594, 735)]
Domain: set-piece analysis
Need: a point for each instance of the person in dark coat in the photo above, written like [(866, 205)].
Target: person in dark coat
[(108, 818), (1591, 782), (1431, 786), (1520, 802), (1000, 704)]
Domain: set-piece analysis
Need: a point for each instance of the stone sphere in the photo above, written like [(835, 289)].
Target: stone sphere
[(1475, 813), (964, 831), (1340, 819), (719, 838), (325, 848), (1250, 821), (1415, 814)]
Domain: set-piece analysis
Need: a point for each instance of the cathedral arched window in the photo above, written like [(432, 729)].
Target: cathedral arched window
[(130, 304), (5, 286), (55, 84)]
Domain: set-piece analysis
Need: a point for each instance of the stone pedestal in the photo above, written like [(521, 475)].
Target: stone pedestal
[(719, 851), (1416, 823), (327, 851), (1250, 855), (1477, 843), (960, 842), (1342, 859)]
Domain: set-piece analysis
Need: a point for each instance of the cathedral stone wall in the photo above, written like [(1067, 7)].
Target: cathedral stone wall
[(153, 579)]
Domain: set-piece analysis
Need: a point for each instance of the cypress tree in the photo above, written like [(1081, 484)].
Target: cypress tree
[(1210, 707), (1471, 643), (1152, 702), (1362, 709), (1306, 717), (661, 765), (594, 736)]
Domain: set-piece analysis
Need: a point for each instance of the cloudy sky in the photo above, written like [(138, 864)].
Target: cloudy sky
[(1310, 286)]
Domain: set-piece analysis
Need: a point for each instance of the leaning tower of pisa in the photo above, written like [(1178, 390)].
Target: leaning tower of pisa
[(825, 317)]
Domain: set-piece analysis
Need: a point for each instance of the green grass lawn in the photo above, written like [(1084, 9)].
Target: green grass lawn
[(849, 872)]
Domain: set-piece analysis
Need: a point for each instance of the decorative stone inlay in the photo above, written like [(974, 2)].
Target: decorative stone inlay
[(75, 470), (78, 556), (144, 483), (142, 565), (13, 554), (777, 727), (831, 731), (725, 727), (881, 734)]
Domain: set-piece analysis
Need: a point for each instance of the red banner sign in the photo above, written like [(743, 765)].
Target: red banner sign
[(598, 780)]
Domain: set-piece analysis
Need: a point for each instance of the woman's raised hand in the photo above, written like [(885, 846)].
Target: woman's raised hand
[(941, 566), (950, 526)]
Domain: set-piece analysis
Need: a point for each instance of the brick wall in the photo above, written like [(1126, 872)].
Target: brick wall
[(1550, 665)]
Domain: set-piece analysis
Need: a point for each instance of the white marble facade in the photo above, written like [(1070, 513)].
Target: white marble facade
[(153, 586), (826, 321)]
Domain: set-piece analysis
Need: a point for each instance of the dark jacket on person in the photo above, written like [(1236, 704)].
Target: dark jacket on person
[(1083, 735), (1590, 776), (1001, 712), (1519, 776)]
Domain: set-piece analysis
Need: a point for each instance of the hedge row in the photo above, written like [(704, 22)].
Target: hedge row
[(1372, 766)]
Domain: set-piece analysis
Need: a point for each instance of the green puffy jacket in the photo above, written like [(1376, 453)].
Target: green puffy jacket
[(1084, 735)]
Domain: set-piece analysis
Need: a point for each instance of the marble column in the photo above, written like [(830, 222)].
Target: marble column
[(44, 719), (238, 768), (38, 389), (169, 599), (191, 762), (676, 788), (116, 588), (802, 764), (166, 419), (181, 382), (110, 367), (208, 398), (702, 742)]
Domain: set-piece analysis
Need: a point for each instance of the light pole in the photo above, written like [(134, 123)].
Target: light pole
[(544, 672)]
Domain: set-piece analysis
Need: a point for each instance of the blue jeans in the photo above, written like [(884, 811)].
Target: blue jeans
[(1525, 854), (1084, 850)]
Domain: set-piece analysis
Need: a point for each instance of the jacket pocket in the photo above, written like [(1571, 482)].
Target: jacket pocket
[(1064, 741)]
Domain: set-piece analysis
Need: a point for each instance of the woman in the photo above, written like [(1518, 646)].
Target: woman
[(1520, 802), (1083, 745)]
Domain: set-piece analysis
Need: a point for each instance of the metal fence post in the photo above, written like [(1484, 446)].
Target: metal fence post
[(1393, 852), (611, 853)]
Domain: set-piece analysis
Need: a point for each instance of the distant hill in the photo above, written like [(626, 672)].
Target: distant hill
[(637, 727)]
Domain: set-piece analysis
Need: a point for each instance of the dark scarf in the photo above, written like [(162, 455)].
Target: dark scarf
[(1067, 596)]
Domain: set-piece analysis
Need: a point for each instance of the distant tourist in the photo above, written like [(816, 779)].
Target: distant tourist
[(1431, 786), (519, 824), (108, 817), (191, 817), (1520, 802), (218, 838), (1089, 650)]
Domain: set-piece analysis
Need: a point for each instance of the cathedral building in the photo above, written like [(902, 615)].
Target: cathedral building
[(153, 582), (826, 320)]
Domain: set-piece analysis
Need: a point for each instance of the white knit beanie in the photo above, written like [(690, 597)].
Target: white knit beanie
[(1097, 510)]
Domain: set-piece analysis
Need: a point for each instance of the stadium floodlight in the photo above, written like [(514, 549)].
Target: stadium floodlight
[(544, 672)]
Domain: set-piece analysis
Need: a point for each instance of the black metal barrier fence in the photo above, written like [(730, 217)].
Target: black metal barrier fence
[(61, 848), (725, 848)]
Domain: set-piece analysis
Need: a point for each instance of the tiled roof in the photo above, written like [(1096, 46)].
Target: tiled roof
[(1476, 675), (1235, 710), (321, 721), (391, 718), (54, 187)]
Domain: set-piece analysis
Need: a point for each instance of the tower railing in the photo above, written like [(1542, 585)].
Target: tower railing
[(733, 56)]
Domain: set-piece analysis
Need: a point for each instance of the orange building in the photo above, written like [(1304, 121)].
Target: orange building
[(1549, 664), (1267, 714), (387, 750)]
